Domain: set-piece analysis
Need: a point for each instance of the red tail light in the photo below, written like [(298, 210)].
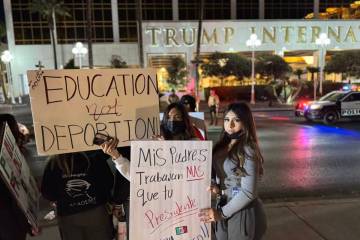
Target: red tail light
[(303, 104)]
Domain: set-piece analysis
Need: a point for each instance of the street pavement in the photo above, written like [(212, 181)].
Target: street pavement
[(319, 219), (288, 218)]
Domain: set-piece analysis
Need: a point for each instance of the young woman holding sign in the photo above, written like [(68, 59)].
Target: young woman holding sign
[(238, 165)]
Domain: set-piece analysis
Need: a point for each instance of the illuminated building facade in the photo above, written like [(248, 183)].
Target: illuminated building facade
[(170, 28)]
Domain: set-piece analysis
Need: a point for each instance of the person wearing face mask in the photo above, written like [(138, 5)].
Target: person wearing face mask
[(237, 162), (176, 124)]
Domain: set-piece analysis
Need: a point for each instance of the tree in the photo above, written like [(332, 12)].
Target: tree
[(177, 72), (298, 72), (71, 64), (346, 63), (272, 65), (275, 69), (117, 62), (139, 18), (50, 10), (223, 65), (2, 80), (313, 70), (89, 32)]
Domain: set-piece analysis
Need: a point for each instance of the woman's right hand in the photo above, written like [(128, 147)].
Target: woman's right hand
[(110, 149), (214, 189), (157, 137)]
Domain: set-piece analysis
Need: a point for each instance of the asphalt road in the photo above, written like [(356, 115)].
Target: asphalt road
[(301, 159), (307, 160)]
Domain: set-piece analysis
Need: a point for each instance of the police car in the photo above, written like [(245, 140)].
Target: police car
[(334, 106)]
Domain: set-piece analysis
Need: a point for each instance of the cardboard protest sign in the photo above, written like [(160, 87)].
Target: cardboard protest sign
[(15, 173), (70, 106), (168, 188)]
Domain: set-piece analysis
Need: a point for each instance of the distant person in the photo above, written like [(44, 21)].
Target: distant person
[(173, 98), (13, 223), (80, 186), (239, 214), (213, 103), (190, 105)]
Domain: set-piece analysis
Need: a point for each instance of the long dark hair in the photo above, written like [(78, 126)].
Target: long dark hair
[(248, 139), (187, 134)]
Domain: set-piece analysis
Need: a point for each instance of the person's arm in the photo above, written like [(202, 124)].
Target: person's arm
[(122, 164), (248, 190), (48, 183)]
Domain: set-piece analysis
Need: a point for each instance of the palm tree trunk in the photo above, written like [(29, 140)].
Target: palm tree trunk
[(198, 42), (52, 27), (140, 38), (89, 34), (2, 82)]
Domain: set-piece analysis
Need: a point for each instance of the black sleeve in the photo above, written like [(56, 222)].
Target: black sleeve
[(48, 183), (103, 174), (121, 191)]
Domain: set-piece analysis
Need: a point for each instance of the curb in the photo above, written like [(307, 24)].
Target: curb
[(310, 201)]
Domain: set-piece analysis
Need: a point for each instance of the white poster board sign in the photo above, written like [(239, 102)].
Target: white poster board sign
[(15, 173), (70, 106), (168, 188)]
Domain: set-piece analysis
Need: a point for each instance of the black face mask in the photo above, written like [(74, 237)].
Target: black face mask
[(236, 135), (175, 127)]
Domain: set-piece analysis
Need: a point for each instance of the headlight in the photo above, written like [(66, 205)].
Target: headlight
[(315, 106)]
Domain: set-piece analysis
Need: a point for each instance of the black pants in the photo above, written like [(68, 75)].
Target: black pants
[(213, 115)]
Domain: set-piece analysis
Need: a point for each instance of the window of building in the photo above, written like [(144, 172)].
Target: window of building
[(73, 29), (247, 9), (213, 9), (338, 9), (288, 9), (334, 3), (30, 28), (127, 20), (157, 9)]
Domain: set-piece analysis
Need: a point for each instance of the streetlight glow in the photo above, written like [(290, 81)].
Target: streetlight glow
[(79, 51), (6, 58), (253, 42), (322, 42)]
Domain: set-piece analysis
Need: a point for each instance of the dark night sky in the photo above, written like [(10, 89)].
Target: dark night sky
[(2, 17)]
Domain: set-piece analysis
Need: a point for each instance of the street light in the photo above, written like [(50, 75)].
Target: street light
[(322, 41), (6, 58), (253, 42), (79, 51)]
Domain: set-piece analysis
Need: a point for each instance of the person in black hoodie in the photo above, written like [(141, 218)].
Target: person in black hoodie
[(80, 186)]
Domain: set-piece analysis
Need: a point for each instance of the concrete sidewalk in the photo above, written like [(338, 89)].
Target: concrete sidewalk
[(335, 219)]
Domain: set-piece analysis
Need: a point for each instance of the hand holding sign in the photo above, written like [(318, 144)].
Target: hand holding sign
[(109, 147)]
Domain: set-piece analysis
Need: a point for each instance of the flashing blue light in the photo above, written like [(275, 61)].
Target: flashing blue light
[(346, 88), (338, 131)]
